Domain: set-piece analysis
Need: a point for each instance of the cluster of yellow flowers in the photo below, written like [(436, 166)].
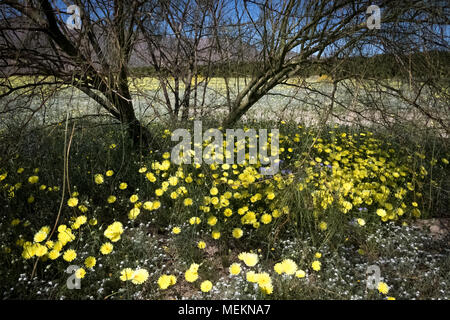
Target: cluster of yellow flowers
[(262, 279), (353, 174), (114, 231), (137, 276), (287, 266), (50, 249), (191, 274), (350, 173), (250, 259), (166, 280)]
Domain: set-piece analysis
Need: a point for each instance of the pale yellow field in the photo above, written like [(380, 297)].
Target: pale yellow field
[(153, 84)]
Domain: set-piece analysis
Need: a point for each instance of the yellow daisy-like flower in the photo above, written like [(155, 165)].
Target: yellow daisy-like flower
[(134, 213), (237, 233), (66, 236), (316, 265), (150, 177), (106, 248), (173, 181), (383, 288), (69, 255), (75, 226), (112, 199), (323, 226), (98, 178), (33, 179), (126, 274), (40, 236), (156, 205), (40, 250), (72, 202), (215, 234), (142, 169), (235, 269), (278, 267), (194, 220), (250, 259), (58, 246), (28, 252), (263, 279), (80, 273), (187, 202), (53, 255), (381, 212), (214, 191), (82, 208), (266, 218), (50, 244), (300, 274), (123, 186), (270, 195), (134, 198), (165, 281), (81, 220), (289, 266), (147, 205), (176, 230), (206, 286), (266, 288), (109, 173), (139, 276), (212, 220), (201, 245), (45, 229), (90, 262), (251, 276), (114, 231), (191, 275), (227, 212)]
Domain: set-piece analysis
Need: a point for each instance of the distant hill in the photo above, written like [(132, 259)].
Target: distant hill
[(385, 66)]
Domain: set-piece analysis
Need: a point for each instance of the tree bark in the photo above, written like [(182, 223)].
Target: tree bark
[(139, 134)]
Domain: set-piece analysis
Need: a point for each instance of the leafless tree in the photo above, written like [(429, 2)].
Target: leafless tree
[(178, 47), (93, 59), (293, 35)]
